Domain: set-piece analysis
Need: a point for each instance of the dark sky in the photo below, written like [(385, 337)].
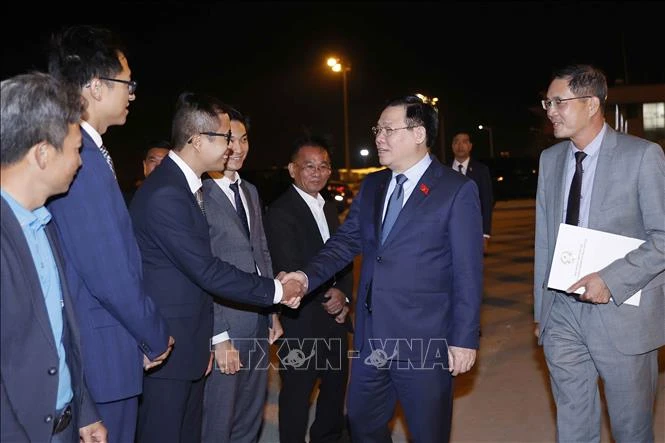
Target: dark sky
[(487, 62)]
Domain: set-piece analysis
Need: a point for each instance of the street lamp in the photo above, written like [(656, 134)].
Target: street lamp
[(433, 101), (336, 65), (481, 127)]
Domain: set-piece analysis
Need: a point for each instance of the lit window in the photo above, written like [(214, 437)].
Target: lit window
[(653, 115)]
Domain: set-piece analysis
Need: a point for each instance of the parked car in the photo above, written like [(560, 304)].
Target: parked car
[(340, 192), (271, 183), (513, 177)]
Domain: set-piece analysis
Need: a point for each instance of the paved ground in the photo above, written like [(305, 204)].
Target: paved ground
[(506, 397)]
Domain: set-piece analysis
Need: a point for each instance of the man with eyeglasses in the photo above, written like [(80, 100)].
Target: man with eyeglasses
[(608, 181), (182, 273), (236, 389), (298, 224), (122, 332), (418, 227)]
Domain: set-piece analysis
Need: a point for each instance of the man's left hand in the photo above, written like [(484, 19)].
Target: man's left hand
[(460, 360), (276, 331), (595, 289)]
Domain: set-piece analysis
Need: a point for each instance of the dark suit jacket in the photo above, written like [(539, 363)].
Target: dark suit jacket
[(293, 239), (180, 269), (427, 278), (480, 173), (230, 243), (28, 392), (118, 322)]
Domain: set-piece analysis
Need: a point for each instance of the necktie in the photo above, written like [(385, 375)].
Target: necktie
[(240, 208), (108, 158), (199, 199), (394, 207), (573, 208), (461, 169)]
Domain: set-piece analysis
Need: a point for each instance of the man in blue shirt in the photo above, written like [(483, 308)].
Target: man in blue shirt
[(44, 394)]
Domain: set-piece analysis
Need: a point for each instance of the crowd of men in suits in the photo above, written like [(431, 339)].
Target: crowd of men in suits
[(152, 323)]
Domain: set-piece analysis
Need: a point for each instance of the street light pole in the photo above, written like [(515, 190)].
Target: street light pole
[(347, 149), (337, 65), (489, 130)]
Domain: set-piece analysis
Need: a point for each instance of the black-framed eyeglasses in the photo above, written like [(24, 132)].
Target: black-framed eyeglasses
[(131, 84), (376, 130), (311, 168), (547, 103), (227, 136)]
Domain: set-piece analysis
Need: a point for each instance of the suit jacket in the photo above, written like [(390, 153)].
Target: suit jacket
[(294, 238), (480, 174), (180, 269), (628, 198), (426, 280), (28, 392), (118, 322), (230, 243)]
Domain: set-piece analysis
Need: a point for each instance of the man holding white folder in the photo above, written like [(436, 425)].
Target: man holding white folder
[(615, 183)]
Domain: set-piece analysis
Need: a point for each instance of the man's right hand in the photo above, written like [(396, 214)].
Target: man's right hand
[(148, 364), (294, 286), (227, 357)]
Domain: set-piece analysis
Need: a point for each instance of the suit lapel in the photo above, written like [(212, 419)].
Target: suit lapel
[(379, 199), (306, 215), (560, 194), (223, 203), (427, 182), (24, 256), (606, 167)]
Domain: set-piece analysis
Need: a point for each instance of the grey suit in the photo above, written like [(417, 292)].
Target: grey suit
[(233, 404), (619, 341)]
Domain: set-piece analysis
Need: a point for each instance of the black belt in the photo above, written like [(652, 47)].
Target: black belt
[(62, 421)]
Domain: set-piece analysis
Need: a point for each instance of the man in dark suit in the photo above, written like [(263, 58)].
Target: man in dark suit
[(121, 329), (236, 389), (43, 394), (421, 279), (298, 224), (181, 271), (480, 174)]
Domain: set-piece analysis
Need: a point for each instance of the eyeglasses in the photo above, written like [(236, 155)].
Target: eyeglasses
[(227, 136), (376, 130), (547, 103), (131, 84), (310, 168)]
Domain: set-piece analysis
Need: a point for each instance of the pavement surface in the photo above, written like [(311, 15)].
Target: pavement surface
[(506, 397)]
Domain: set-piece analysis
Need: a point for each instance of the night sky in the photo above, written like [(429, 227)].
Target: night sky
[(488, 63)]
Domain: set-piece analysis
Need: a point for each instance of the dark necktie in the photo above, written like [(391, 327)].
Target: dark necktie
[(107, 157), (573, 208), (199, 199), (240, 208), (461, 169), (394, 207)]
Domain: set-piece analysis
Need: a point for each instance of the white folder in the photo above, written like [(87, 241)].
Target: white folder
[(581, 251)]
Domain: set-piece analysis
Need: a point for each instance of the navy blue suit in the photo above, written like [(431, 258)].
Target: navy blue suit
[(30, 360), (180, 275), (118, 322), (480, 174), (426, 285)]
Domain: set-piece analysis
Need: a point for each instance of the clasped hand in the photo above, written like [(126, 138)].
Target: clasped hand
[(294, 285)]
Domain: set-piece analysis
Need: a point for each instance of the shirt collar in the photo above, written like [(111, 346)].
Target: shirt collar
[(92, 132), (318, 200), (226, 182), (36, 219), (416, 171), (465, 164), (193, 180), (593, 147)]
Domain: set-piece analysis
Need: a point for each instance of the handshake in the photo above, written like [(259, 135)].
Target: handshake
[(294, 286)]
